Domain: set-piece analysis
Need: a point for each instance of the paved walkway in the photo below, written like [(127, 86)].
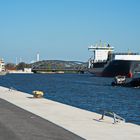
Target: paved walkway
[(18, 124), (80, 122)]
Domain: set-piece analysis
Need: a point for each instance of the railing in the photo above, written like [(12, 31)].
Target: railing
[(116, 117)]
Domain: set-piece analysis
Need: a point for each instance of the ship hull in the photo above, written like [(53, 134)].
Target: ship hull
[(117, 67)]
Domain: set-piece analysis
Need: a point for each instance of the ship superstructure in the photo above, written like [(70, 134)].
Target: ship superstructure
[(101, 54)]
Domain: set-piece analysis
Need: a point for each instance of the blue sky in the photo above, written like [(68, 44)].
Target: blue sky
[(63, 29)]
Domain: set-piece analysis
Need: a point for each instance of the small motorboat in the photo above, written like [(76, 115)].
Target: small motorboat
[(119, 81)]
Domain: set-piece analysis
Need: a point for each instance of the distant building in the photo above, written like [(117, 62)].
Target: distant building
[(2, 65), (27, 70)]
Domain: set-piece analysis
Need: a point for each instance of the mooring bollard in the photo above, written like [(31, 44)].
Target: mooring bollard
[(38, 94)]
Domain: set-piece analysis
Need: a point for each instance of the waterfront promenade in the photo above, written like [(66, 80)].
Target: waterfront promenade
[(82, 123)]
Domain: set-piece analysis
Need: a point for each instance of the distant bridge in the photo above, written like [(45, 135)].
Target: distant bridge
[(58, 67), (42, 70)]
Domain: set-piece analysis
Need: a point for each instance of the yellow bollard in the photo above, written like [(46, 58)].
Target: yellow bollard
[(38, 94)]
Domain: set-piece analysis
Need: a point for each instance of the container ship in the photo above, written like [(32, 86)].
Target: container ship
[(104, 62)]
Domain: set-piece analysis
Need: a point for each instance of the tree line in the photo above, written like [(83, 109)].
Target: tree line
[(20, 66)]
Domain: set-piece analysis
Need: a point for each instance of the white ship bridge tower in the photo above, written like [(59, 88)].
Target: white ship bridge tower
[(100, 53)]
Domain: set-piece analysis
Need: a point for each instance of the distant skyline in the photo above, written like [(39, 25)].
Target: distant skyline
[(63, 29)]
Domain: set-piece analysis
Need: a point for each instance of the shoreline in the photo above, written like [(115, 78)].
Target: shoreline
[(83, 123)]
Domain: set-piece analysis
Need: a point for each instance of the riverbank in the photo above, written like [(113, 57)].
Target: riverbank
[(80, 122)]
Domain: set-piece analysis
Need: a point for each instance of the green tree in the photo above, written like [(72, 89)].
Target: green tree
[(22, 65)]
